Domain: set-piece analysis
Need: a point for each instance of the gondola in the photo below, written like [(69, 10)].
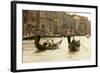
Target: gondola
[(74, 46), (43, 48)]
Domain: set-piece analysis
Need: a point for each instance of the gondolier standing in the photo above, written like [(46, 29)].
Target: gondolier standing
[(69, 36)]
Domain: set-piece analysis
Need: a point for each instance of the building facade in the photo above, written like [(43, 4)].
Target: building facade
[(52, 23)]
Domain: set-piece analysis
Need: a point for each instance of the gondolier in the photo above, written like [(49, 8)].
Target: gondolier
[(69, 36)]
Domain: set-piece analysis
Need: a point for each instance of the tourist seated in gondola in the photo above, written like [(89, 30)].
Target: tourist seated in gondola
[(74, 45), (78, 43), (73, 41), (49, 44), (52, 43), (46, 43)]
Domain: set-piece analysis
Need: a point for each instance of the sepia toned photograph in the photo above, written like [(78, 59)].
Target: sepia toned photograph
[(48, 36), (56, 36)]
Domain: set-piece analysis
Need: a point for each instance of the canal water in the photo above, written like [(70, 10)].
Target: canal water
[(61, 54)]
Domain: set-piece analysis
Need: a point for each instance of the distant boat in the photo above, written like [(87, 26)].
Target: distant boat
[(43, 48)]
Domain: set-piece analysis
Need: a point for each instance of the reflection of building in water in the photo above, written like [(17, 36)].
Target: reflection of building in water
[(52, 23)]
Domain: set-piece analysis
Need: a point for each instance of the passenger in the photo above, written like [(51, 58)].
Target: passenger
[(48, 43), (45, 43), (73, 41), (52, 43)]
